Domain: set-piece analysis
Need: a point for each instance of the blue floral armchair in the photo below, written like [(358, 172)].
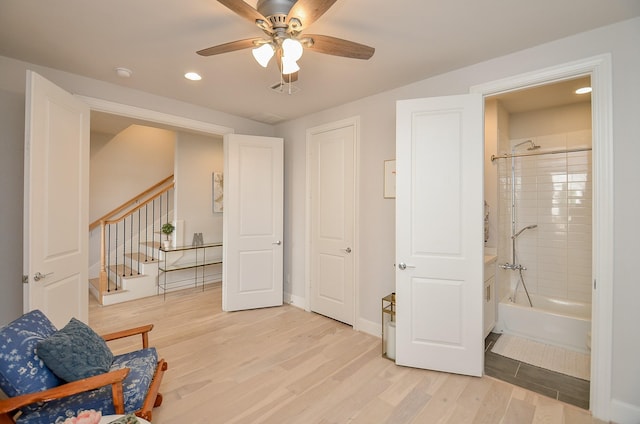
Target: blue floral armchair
[(37, 395)]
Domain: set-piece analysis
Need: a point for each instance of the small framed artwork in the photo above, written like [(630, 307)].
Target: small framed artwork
[(218, 189), (390, 179)]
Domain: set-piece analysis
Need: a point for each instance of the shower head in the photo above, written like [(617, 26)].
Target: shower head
[(532, 145), (529, 227)]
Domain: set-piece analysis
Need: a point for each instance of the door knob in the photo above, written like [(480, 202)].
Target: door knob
[(277, 243), (404, 266), (38, 276), (348, 250)]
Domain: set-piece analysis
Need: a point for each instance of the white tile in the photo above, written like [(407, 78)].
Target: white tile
[(579, 176), (579, 229)]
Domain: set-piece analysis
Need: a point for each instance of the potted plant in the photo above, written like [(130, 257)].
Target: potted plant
[(167, 229)]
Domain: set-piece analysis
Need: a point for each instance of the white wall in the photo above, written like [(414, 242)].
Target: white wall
[(197, 157), (129, 163), (556, 120), (376, 223), (11, 188)]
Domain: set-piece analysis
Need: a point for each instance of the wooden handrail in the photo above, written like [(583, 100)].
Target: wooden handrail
[(129, 202), (140, 206)]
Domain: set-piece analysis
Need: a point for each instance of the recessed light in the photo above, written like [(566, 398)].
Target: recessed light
[(193, 76), (583, 90)]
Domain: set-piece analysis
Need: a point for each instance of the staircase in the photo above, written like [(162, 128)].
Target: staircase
[(129, 242)]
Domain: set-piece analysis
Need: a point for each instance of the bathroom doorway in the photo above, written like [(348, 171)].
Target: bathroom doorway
[(538, 189)]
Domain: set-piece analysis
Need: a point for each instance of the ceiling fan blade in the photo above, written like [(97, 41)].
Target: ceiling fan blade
[(243, 9), (339, 47), (308, 11), (229, 47)]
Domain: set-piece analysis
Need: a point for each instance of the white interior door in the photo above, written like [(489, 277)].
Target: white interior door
[(56, 202), (331, 164), (439, 204), (253, 222)]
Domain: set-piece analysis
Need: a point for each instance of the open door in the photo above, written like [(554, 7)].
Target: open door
[(56, 202), (439, 244), (253, 222)]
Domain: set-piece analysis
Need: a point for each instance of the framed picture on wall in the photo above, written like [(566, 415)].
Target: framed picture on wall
[(218, 185), (389, 191)]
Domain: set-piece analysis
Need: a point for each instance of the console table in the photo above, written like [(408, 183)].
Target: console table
[(203, 258)]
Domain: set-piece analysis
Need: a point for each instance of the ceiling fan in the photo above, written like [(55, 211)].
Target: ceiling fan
[(283, 22)]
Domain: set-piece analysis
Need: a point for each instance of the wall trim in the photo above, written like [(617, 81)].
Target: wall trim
[(599, 68), (293, 300), (622, 412), (370, 327), (134, 112)]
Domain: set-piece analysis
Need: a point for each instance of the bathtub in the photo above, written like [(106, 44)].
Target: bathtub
[(551, 321)]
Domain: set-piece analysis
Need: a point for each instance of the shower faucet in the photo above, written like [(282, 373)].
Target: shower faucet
[(512, 267)]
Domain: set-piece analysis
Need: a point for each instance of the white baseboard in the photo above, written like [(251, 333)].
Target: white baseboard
[(624, 413), (297, 301), (369, 327)]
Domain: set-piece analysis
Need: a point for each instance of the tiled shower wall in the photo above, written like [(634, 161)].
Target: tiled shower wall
[(553, 191)]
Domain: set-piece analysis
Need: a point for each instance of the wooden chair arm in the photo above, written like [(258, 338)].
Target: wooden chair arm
[(143, 330), (113, 378)]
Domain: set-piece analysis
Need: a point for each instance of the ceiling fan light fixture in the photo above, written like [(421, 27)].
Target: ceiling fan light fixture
[(292, 49), (289, 66), (263, 54)]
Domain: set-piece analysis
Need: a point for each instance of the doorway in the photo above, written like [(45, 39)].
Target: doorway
[(599, 69), (539, 196)]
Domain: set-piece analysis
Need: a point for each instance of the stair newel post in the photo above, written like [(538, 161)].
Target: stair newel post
[(103, 265)]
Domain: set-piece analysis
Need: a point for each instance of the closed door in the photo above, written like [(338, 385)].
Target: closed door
[(56, 209), (332, 182), (439, 205), (252, 222)]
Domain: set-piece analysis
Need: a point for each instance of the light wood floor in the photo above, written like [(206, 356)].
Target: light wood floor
[(284, 365)]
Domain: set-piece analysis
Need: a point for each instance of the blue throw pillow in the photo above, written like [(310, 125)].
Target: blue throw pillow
[(75, 352)]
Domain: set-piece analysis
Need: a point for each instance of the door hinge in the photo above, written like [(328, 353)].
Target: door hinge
[(25, 279), (594, 283)]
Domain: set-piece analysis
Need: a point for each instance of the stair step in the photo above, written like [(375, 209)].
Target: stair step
[(124, 271), (140, 257), (95, 282), (152, 244)]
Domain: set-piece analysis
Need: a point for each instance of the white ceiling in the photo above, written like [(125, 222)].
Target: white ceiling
[(157, 40)]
